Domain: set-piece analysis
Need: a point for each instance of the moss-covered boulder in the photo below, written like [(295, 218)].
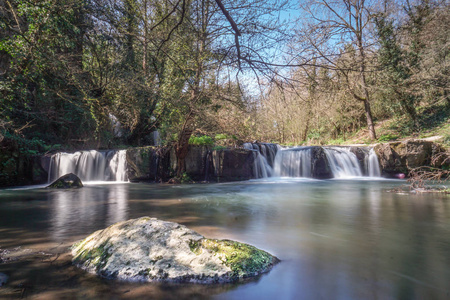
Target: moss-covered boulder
[(68, 181), (148, 249)]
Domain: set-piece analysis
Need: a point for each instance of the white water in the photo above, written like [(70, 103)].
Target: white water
[(373, 165), (264, 156), (293, 162), (273, 161), (343, 163), (90, 165)]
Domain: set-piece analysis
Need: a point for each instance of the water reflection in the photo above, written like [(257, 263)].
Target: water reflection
[(78, 211)]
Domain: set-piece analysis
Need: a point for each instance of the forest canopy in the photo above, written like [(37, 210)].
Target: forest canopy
[(290, 72)]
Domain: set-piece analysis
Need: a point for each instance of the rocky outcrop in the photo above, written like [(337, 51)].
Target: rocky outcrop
[(401, 157), (149, 164), (68, 181), (196, 162), (233, 164), (142, 164), (148, 249), (320, 165)]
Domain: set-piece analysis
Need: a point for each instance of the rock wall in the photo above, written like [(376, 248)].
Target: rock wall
[(149, 163), (201, 164), (232, 164), (401, 157), (205, 164)]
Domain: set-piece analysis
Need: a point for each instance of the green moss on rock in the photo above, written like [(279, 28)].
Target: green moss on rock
[(244, 260), (96, 257)]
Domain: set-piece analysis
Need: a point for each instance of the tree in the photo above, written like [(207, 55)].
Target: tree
[(334, 28)]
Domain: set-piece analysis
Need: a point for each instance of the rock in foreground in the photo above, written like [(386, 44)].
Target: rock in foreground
[(148, 249), (68, 181)]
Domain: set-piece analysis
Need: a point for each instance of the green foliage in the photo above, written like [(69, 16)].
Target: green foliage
[(387, 137), (185, 178), (218, 148), (204, 140), (221, 136)]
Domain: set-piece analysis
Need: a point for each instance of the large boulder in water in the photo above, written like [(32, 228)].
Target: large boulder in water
[(67, 181), (148, 249)]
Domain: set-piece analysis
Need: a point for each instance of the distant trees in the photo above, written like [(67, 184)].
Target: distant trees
[(358, 61)]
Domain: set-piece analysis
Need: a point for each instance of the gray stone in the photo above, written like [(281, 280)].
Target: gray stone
[(233, 164), (401, 157), (68, 181), (148, 249)]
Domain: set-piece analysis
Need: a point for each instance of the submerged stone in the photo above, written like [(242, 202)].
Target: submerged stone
[(148, 249), (3, 279), (67, 181)]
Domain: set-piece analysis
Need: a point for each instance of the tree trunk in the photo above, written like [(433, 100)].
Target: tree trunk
[(181, 150), (367, 108), (370, 124)]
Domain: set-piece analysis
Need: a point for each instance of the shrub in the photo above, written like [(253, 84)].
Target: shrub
[(204, 140)]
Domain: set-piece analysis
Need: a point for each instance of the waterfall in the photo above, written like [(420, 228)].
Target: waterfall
[(293, 162), (343, 163), (90, 165), (305, 161), (264, 156), (372, 164)]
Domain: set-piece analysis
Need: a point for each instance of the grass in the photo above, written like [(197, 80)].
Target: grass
[(432, 121)]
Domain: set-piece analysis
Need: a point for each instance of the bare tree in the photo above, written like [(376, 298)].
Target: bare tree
[(333, 28)]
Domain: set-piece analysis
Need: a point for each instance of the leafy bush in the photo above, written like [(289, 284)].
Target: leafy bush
[(221, 136), (204, 140), (185, 178)]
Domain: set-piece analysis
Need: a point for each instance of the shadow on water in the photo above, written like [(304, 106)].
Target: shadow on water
[(338, 239)]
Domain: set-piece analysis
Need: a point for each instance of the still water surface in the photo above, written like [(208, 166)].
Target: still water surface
[(337, 239)]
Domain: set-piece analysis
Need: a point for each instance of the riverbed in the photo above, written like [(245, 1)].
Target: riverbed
[(337, 239)]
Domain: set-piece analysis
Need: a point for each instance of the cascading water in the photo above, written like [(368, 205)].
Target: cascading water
[(272, 160), (264, 155), (343, 163), (372, 164), (293, 162), (90, 165)]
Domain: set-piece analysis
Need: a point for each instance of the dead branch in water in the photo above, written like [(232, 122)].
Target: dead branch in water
[(440, 173)]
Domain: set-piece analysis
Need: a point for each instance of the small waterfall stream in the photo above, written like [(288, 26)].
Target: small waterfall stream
[(90, 165), (264, 155), (372, 164), (343, 162), (293, 162)]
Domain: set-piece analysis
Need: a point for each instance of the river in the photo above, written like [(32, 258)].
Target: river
[(337, 239)]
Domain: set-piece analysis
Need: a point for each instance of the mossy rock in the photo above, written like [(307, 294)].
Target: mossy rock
[(149, 249), (68, 181)]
